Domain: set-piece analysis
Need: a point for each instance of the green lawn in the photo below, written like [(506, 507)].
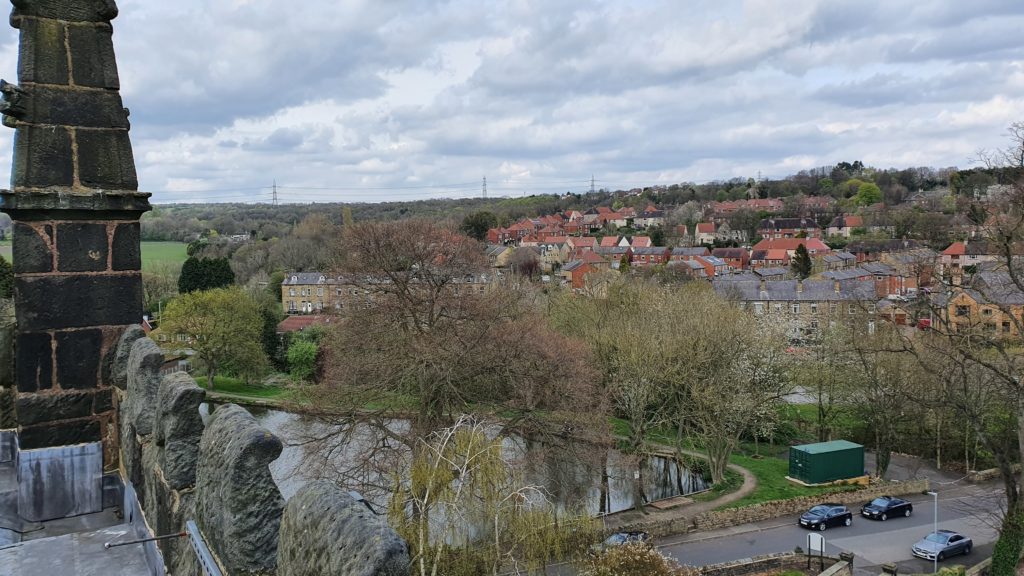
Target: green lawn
[(152, 252), (237, 387), (771, 481)]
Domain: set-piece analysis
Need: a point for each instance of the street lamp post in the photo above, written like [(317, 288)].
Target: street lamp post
[(935, 529)]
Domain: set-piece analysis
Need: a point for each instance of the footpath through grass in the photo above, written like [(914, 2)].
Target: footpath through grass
[(767, 462)]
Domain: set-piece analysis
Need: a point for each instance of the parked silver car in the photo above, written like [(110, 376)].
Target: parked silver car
[(941, 545)]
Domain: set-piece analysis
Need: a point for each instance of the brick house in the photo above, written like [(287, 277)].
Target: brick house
[(736, 258), (789, 228), (650, 256)]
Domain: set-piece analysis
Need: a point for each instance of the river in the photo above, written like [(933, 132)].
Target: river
[(570, 475)]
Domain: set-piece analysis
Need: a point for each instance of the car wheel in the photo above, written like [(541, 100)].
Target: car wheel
[(907, 513), (821, 527), (883, 517), (941, 557), (848, 521), (967, 550)]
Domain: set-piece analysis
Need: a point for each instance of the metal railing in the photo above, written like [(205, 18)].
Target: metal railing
[(207, 565)]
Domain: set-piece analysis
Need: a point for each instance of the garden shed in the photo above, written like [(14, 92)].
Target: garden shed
[(826, 461)]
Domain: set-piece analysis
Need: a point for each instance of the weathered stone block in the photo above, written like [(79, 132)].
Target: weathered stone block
[(59, 434), (103, 401), (115, 366), (31, 249), (105, 159), (238, 505), (126, 248), (34, 361), (78, 358), (82, 247), (39, 408), (63, 107), (80, 11), (326, 531), (143, 381), (179, 428), (92, 55), (42, 157), (41, 54), (84, 301)]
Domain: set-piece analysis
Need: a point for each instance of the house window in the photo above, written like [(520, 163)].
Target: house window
[(851, 308), (319, 291), (1006, 326), (814, 307), (795, 307), (986, 311), (833, 307), (778, 308), (338, 293), (871, 327), (291, 291), (291, 306), (759, 308), (963, 310), (814, 325)]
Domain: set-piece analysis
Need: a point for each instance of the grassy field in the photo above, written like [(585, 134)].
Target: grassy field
[(153, 253), (236, 386)]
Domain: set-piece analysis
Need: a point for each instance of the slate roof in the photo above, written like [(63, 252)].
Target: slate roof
[(786, 291), (774, 271), (651, 250), (688, 251)]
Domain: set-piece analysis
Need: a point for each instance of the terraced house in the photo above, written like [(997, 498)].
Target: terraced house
[(808, 306), (324, 293)]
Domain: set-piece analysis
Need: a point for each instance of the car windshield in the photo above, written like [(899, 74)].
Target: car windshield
[(616, 539), (882, 502), (937, 538), (818, 511)]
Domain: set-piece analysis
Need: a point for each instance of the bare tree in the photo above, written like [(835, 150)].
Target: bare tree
[(425, 339)]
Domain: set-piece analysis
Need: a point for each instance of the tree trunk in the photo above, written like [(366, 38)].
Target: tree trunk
[(603, 507), (211, 372)]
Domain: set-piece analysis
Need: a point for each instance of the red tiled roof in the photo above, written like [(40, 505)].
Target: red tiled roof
[(297, 323), (641, 242), (609, 241), (955, 249), (706, 227)]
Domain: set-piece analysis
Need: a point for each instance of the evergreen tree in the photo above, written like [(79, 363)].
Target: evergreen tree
[(205, 274), (6, 278), (801, 264)]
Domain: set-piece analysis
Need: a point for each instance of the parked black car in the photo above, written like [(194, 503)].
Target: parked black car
[(886, 507), (618, 539), (941, 545), (824, 515)]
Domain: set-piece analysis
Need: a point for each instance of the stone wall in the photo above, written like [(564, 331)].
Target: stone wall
[(775, 563), (218, 474), (775, 509)]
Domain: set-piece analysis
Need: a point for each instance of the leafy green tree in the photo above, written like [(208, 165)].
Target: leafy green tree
[(868, 193), (302, 358), (224, 326), (657, 236), (477, 224), (624, 264), (205, 274), (270, 314), (274, 285), (801, 264), (6, 278)]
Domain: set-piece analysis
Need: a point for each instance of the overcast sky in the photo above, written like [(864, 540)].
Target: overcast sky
[(386, 100)]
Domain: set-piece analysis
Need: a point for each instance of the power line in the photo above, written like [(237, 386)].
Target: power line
[(275, 192), (485, 187)]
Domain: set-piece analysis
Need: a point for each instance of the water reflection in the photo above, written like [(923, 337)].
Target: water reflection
[(573, 474)]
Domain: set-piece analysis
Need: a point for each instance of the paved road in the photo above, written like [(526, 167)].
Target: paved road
[(971, 510)]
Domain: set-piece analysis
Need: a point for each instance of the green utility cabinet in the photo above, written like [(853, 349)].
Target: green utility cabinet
[(826, 461)]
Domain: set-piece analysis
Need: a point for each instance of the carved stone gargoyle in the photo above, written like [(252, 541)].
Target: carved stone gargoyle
[(13, 104)]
